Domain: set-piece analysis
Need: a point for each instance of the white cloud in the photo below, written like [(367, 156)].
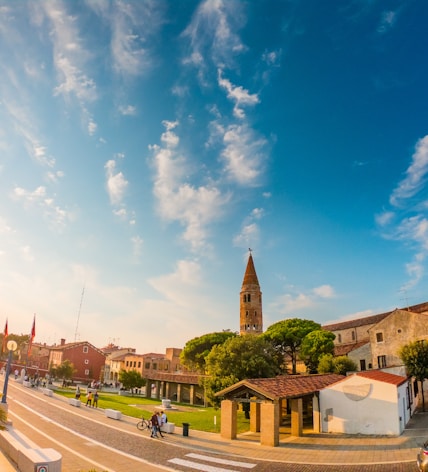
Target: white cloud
[(324, 291), (133, 24), (291, 302), (116, 183), (238, 95), (128, 110), (384, 218), (243, 154), (415, 174), (137, 244), (194, 207), (248, 236), (212, 34), (387, 21)]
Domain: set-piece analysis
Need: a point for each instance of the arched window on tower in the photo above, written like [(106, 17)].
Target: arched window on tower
[(246, 313), (249, 298), (245, 298)]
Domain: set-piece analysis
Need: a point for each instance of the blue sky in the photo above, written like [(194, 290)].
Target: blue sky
[(146, 145)]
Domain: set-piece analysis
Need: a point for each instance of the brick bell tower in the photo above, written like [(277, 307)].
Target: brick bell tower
[(250, 303)]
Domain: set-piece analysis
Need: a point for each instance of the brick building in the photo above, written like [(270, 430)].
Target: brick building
[(87, 360)]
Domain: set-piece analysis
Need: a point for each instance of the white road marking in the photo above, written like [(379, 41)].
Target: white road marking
[(217, 460), (93, 441), (198, 466)]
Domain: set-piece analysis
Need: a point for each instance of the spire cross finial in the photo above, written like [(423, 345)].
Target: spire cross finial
[(250, 250)]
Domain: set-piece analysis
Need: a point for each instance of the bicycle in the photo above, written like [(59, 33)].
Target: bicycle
[(144, 424)]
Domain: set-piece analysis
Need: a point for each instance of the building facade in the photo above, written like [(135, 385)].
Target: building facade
[(88, 361)]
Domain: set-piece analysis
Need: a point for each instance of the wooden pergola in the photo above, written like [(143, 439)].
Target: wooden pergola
[(266, 398)]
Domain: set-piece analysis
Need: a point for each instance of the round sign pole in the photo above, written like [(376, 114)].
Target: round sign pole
[(11, 345)]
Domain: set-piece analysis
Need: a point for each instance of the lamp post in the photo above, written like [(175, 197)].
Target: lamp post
[(11, 345)]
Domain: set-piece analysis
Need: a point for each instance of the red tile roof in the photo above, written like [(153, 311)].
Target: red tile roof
[(287, 386), (382, 377), (344, 349)]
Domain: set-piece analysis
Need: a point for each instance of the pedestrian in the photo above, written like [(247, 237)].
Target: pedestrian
[(95, 402), (163, 418), (89, 399), (159, 424), (77, 393), (154, 420)]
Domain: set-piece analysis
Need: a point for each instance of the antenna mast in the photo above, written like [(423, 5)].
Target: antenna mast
[(78, 315)]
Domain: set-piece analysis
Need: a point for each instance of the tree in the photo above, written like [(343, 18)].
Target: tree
[(238, 358), (314, 345), (65, 370), (287, 336), (131, 379), (415, 358), (335, 365), (197, 349)]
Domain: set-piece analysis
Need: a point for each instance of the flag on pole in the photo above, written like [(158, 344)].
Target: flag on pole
[(5, 335), (32, 336)]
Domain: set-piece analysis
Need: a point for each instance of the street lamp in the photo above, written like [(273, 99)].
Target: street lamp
[(11, 345)]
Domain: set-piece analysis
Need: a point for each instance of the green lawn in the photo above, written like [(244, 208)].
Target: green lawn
[(200, 418)]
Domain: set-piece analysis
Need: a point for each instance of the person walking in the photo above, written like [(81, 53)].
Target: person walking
[(89, 399), (159, 424), (95, 401), (155, 424), (77, 393)]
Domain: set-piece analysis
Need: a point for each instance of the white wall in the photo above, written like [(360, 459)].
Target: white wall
[(358, 405)]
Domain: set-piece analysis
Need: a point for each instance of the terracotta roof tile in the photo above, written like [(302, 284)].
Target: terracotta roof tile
[(286, 386), (382, 376), (344, 349)]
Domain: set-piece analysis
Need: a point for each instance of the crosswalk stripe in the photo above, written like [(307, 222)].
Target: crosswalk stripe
[(217, 460), (198, 466)]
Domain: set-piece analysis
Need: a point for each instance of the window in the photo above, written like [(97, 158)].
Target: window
[(139, 364), (246, 313), (379, 337), (362, 364), (86, 361), (381, 361), (339, 338), (353, 335), (147, 365), (86, 371), (85, 349), (127, 363), (155, 366)]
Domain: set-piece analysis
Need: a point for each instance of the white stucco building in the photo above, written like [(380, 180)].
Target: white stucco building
[(370, 402)]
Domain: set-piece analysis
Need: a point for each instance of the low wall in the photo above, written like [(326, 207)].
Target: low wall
[(26, 455)]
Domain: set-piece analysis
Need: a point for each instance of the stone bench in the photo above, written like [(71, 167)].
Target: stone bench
[(115, 414), (74, 402), (47, 391), (168, 428), (26, 455)]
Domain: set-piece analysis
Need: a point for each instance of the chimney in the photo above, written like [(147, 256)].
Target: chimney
[(62, 341)]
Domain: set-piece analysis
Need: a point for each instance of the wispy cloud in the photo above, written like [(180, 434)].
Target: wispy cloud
[(212, 34), (194, 207), (415, 174), (387, 21), (116, 183), (249, 235), (57, 216), (238, 95), (289, 303), (410, 230)]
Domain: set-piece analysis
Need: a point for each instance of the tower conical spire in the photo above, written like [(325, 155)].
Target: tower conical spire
[(250, 276), (250, 304)]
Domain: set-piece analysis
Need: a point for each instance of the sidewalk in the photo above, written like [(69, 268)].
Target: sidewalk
[(328, 449)]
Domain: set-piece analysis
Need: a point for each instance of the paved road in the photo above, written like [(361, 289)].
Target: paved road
[(88, 440)]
